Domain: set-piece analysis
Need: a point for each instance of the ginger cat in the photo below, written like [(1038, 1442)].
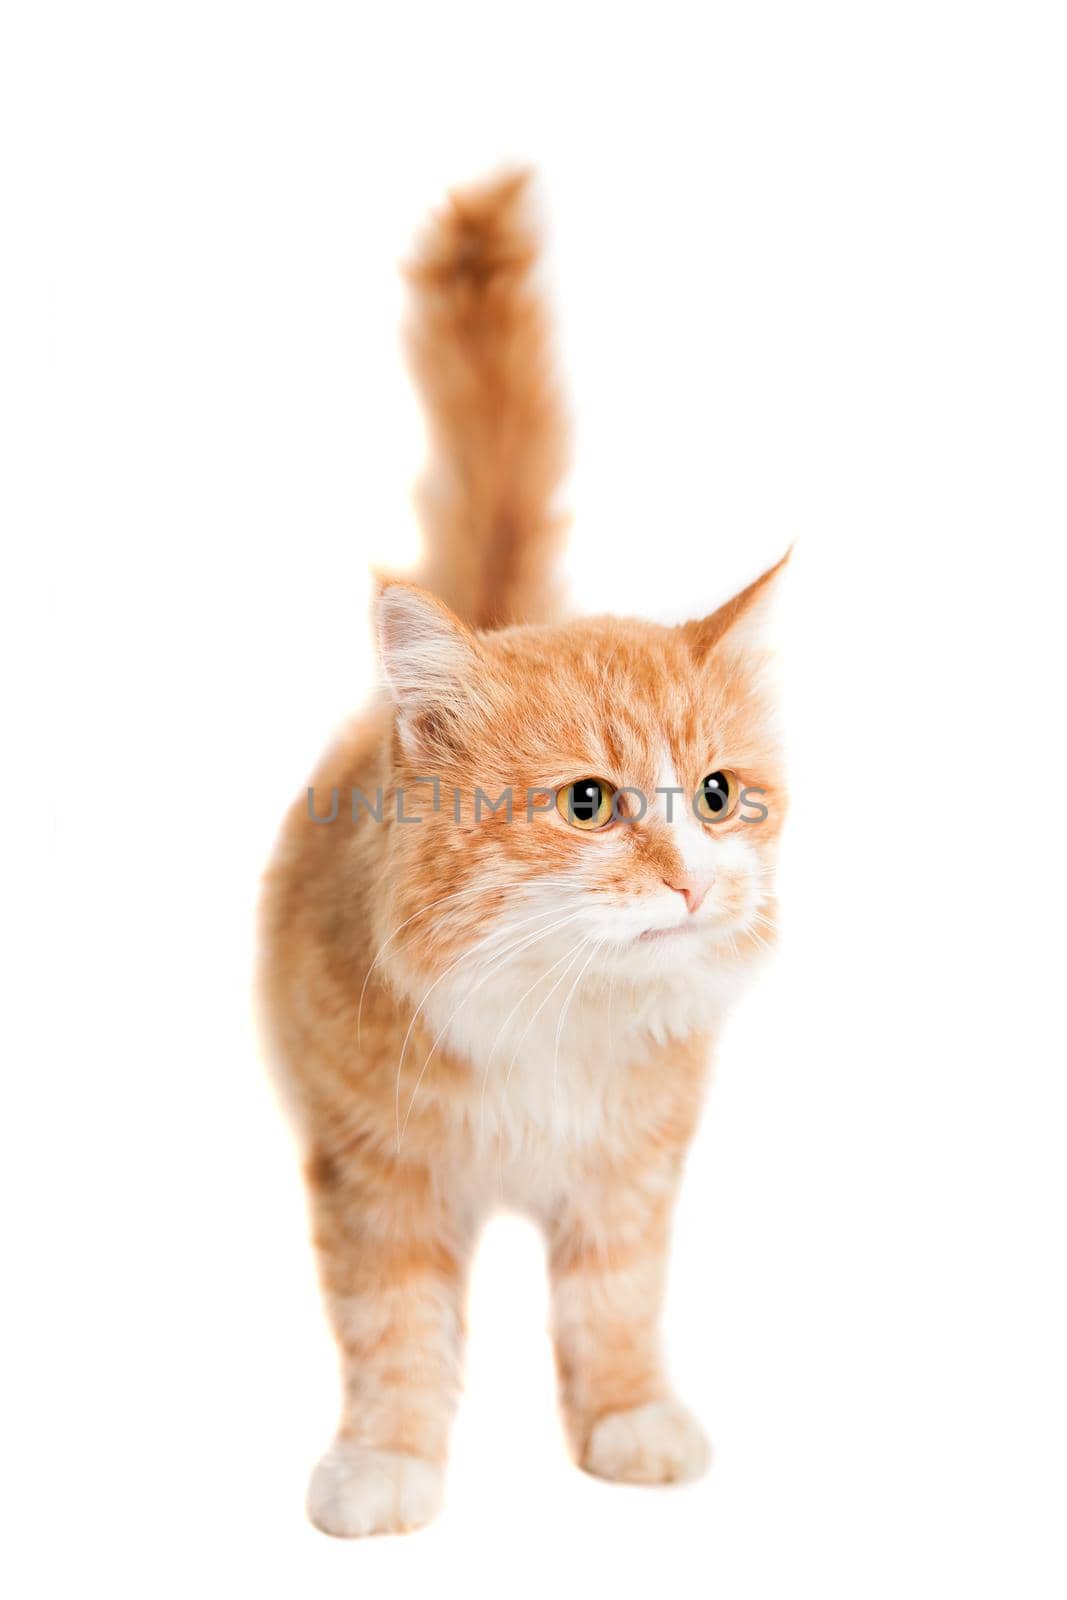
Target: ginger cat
[(471, 1006)]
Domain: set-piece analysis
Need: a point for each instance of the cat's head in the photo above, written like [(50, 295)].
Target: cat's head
[(604, 789)]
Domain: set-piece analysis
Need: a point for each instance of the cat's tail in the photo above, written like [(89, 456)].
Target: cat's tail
[(479, 346)]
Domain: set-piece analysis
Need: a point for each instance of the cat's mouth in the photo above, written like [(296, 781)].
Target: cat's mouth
[(666, 933)]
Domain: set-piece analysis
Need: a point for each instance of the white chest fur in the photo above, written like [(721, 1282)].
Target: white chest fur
[(550, 1046)]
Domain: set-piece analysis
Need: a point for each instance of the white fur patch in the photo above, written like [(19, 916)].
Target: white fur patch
[(355, 1491), (692, 840), (656, 1443), (562, 990)]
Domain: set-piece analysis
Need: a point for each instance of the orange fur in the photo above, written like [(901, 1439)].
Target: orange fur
[(433, 1061), (479, 347)]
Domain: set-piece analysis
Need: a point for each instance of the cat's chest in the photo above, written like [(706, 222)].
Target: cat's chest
[(555, 1073)]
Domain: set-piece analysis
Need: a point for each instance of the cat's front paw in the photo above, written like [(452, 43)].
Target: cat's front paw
[(356, 1491), (655, 1443)]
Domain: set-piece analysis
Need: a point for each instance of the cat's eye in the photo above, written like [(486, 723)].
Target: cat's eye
[(716, 799), (586, 803)]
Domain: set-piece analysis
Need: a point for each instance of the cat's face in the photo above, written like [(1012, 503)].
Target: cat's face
[(636, 779)]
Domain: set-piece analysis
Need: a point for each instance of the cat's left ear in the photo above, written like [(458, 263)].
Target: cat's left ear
[(430, 661), (742, 621)]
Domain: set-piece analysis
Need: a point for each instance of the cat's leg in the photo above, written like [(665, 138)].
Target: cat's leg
[(608, 1252), (393, 1266)]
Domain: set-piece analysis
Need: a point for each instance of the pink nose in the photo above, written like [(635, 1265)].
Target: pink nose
[(694, 888)]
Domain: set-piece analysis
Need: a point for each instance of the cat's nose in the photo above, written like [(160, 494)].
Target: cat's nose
[(693, 886)]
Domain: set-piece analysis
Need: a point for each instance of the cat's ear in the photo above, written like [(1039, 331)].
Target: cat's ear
[(430, 662), (742, 622)]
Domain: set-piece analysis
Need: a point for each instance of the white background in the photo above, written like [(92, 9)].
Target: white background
[(810, 264)]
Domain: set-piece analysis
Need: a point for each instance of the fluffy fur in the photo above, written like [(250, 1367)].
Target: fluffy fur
[(467, 1011)]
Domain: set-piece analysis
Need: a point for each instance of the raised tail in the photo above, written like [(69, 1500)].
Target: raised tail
[(479, 347)]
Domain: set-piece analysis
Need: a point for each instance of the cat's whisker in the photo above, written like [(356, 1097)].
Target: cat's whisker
[(475, 949), (571, 958), (558, 882), (491, 970), (467, 955), (457, 894), (492, 967), (561, 879), (503, 1026), (611, 998), (563, 1015), (574, 955), (524, 996)]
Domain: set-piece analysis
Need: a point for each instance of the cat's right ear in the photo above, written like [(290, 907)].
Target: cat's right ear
[(742, 621), (430, 662)]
